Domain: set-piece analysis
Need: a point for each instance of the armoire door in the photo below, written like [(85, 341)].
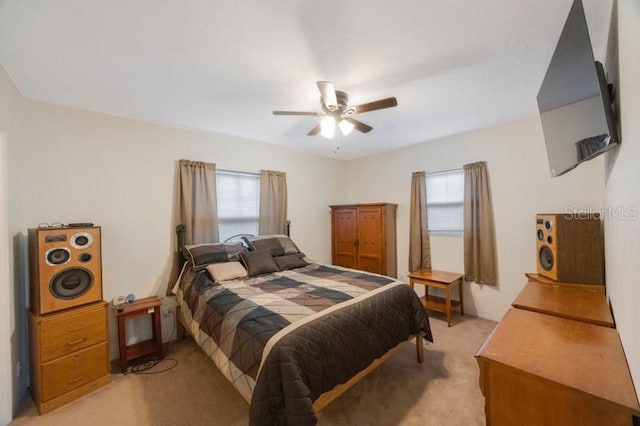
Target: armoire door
[(344, 238), (363, 236), (370, 239)]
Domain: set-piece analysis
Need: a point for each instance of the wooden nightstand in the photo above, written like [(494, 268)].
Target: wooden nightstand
[(146, 306), (443, 280)]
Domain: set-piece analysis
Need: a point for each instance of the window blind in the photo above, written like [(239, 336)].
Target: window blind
[(238, 203), (445, 196)]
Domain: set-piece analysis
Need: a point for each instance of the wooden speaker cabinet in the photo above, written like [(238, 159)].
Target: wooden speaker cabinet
[(65, 266), (570, 248), (363, 236), (69, 354)]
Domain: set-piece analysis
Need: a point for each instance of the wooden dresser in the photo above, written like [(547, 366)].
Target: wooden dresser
[(580, 302), (363, 236), (69, 354), (555, 359)]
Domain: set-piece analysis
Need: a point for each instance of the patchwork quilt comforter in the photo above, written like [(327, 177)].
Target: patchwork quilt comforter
[(284, 338)]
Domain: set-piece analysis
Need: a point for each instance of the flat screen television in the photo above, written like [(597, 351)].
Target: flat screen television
[(574, 100)]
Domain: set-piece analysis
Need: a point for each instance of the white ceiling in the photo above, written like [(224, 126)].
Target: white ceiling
[(224, 65)]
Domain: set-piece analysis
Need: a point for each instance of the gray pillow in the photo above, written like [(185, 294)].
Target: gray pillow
[(258, 262), (290, 261)]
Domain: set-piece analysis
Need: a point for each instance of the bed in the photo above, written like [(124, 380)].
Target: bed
[(291, 335)]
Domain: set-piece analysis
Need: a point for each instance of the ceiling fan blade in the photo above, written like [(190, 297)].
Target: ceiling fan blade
[(328, 93), (295, 113), (359, 125), (315, 130), (372, 106)]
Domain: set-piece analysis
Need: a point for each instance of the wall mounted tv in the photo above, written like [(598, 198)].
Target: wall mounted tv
[(574, 100)]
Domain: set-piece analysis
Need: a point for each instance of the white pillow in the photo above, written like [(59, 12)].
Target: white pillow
[(227, 271)]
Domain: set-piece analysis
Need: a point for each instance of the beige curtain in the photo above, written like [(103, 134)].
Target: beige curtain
[(419, 247), (273, 203), (480, 262), (197, 209)]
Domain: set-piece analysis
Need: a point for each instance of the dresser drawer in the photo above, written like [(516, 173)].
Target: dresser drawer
[(74, 370), (67, 333)]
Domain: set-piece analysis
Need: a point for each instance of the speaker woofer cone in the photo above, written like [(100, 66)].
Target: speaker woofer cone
[(71, 283), (545, 256), (58, 256)]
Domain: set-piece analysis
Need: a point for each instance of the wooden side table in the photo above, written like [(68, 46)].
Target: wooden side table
[(443, 280), (146, 306)]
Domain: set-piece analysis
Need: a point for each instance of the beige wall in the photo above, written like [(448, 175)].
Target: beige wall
[(8, 382), (521, 187), (622, 194)]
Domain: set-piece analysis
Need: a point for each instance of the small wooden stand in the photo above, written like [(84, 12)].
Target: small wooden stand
[(147, 306), (439, 279)]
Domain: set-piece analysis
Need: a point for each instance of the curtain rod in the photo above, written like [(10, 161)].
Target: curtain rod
[(236, 172), (445, 171)]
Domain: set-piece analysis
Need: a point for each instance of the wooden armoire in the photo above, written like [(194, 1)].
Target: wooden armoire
[(363, 236)]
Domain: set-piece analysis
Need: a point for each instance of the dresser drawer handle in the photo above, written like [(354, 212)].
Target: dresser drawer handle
[(75, 326), (75, 342), (76, 380)]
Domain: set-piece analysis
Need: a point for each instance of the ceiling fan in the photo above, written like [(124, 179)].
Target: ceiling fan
[(337, 111)]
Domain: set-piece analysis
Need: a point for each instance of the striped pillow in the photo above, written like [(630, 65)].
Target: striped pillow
[(202, 255), (279, 245)]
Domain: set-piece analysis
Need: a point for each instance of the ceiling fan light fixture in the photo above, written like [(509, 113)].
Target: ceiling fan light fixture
[(345, 127), (328, 126), (336, 112)]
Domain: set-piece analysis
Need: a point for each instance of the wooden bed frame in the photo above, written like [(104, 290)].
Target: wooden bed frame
[(327, 397)]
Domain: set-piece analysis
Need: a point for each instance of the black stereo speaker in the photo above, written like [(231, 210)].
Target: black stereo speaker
[(570, 248), (65, 266)]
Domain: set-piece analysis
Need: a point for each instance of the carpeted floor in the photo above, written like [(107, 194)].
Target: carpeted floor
[(442, 390)]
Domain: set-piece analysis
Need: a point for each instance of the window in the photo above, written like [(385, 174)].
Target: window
[(445, 194), (238, 203)]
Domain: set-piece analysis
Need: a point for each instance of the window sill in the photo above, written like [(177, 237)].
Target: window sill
[(446, 233)]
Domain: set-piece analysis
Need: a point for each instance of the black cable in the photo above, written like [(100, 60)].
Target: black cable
[(142, 366)]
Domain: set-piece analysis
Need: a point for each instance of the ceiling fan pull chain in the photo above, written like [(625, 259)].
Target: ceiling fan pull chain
[(336, 137)]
